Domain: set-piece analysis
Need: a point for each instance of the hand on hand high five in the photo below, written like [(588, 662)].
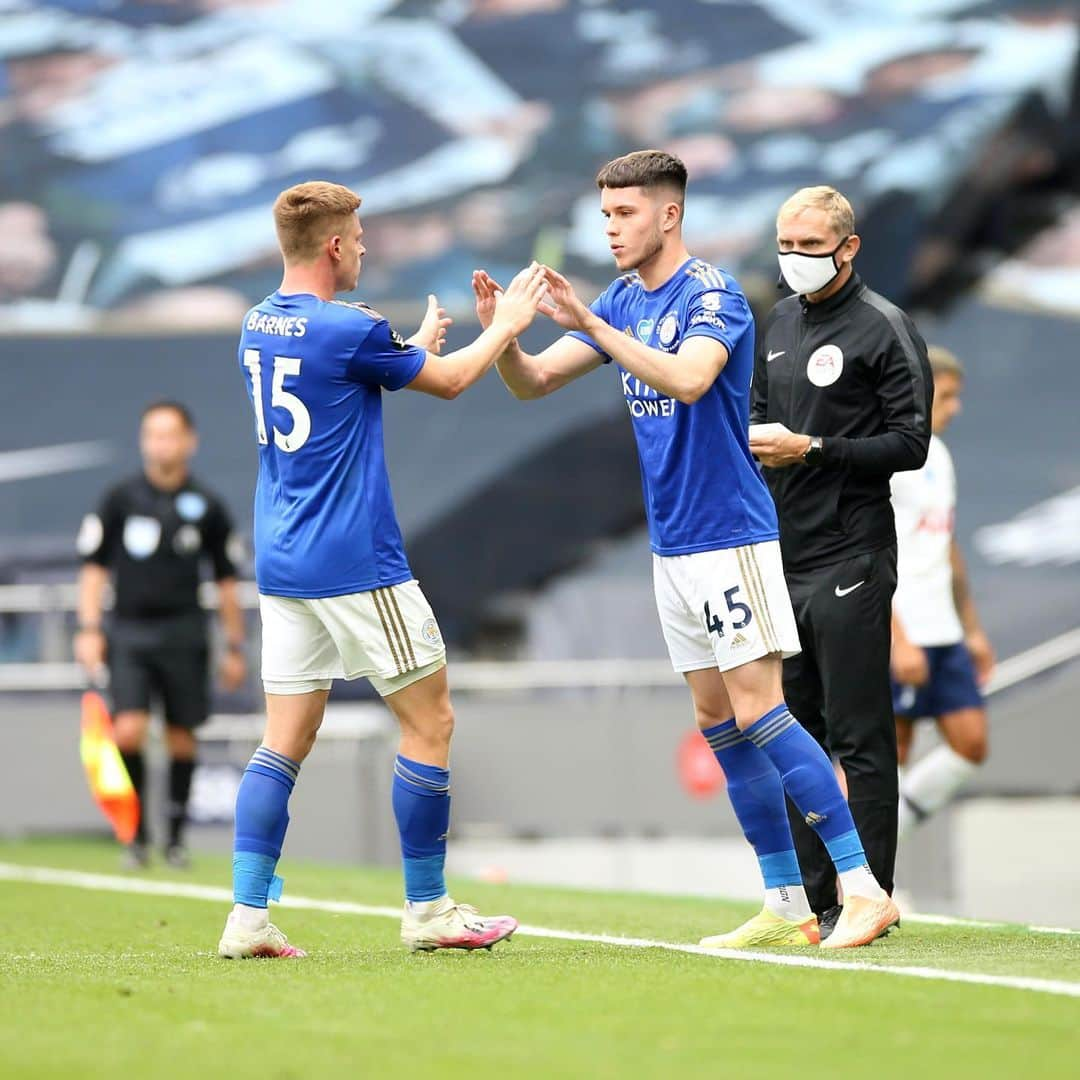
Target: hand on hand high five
[(564, 306), (487, 291), (432, 333), (516, 307)]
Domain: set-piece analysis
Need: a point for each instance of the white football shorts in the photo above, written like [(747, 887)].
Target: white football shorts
[(387, 635), (724, 608)]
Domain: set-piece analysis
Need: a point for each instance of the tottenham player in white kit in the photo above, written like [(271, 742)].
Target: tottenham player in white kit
[(941, 655), (336, 595), (680, 335)]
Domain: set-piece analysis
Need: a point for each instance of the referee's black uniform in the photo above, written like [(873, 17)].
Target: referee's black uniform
[(853, 370), (154, 542)]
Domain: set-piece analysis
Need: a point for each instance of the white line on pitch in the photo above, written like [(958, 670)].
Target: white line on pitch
[(42, 875), (983, 924)]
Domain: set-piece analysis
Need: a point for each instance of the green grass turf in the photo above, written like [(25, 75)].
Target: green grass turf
[(106, 984)]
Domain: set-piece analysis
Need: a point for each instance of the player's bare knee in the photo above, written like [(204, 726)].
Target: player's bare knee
[(707, 717), (972, 745), (309, 745), (305, 742), (744, 719), (295, 745), (966, 733), (438, 728), (181, 743), (129, 731), (712, 705), (903, 741)]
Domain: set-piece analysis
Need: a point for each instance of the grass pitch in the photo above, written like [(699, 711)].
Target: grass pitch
[(110, 983)]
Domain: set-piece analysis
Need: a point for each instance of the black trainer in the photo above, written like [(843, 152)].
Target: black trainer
[(136, 856), (176, 855), (827, 921)]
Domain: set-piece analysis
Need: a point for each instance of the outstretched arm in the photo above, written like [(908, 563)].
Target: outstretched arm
[(447, 376), (534, 376), (700, 359), (431, 336)]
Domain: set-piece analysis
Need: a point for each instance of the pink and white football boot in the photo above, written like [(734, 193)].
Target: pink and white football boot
[(239, 942), (443, 924)]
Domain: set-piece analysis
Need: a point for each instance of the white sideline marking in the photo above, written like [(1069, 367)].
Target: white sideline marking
[(956, 920), (42, 875)]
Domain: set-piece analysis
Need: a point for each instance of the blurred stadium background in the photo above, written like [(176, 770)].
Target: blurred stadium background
[(140, 147)]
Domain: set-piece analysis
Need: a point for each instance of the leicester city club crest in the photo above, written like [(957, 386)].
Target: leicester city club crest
[(669, 327)]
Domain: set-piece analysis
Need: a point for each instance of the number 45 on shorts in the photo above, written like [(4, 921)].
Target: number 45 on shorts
[(715, 625)]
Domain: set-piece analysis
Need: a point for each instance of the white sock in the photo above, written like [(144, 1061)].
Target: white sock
[(249, 918), (788, 901), (861, 882), (425, 909), (931, 783)]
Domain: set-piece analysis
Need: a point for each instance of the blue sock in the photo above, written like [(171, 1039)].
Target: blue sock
[(808, 778), (757, 797), (262, 816), (421, 798)]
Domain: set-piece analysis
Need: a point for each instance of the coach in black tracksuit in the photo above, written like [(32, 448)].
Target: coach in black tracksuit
[(842, 381)]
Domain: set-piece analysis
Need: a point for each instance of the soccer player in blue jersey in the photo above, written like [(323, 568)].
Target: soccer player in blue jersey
[(337, 597), (681, 336)]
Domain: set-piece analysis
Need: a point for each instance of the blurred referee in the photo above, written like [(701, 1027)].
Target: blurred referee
[(841, 400), (152, 533)]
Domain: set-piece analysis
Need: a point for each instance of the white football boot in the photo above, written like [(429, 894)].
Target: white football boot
[(243, 943), (443, 924)]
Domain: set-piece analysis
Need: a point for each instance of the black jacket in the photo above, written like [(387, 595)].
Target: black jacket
[(852, 369), (155, 543)]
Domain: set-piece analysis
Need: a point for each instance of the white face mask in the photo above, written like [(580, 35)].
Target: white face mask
[(806, 274)]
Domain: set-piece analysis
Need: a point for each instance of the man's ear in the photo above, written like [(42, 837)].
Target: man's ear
[(851, 248), (333, 248), (673, 213)]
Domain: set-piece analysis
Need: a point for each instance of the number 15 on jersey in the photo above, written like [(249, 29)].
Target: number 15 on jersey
[(280, 398)]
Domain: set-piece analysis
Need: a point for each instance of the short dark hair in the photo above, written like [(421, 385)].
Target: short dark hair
[(645, 169), (177, 407)]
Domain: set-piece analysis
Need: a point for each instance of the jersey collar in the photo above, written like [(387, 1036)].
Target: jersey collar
[(816, 313)]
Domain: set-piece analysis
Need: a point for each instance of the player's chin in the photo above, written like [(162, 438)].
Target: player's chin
[(623, 259)]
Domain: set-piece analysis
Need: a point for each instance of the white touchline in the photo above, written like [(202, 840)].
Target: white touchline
[(956, 920), (43, 875)]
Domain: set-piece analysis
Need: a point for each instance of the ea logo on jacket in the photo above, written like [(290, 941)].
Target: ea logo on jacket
[(825, 365)]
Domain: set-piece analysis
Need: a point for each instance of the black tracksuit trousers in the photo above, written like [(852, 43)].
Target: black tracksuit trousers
[(838, 688)]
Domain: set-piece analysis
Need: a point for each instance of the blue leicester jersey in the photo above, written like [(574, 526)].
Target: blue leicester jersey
[(324, 518), (703, 489)]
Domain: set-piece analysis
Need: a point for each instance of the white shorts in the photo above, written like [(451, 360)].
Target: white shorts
[(724, 608), (388, 635)]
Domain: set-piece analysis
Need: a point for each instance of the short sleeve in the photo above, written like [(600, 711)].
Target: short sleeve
[(99, 531), (384, 359), (721, 314), (219, 542), (600, 306)]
